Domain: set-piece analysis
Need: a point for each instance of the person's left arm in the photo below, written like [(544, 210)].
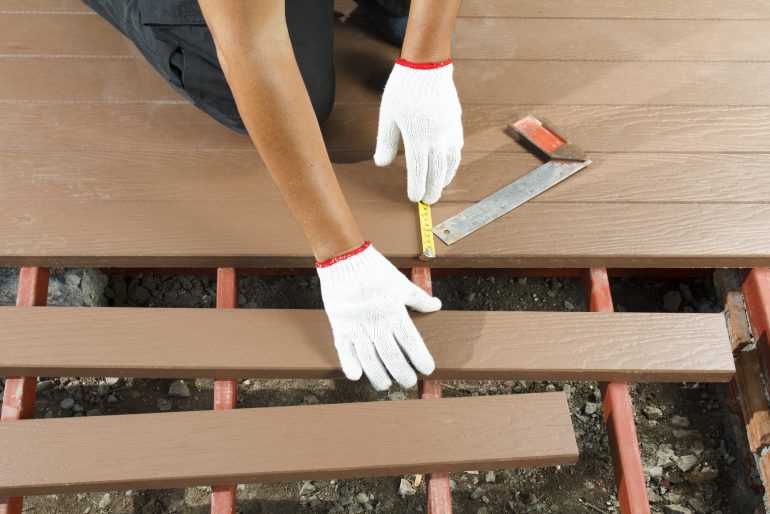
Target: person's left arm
[(420, 103)]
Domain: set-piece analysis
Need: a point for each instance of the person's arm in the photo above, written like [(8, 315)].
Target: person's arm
[(429, 30), (364, 295), (420, 103), (256, 55)]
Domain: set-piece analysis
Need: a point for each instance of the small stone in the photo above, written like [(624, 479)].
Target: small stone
[(654, 471), (452, 484), (686, 462), (680, 421), (362, 498), (704, 475), (307, 489), (94, 412), (550, 388), (311, 399), (569, 305), (44, 385), (396, 395), (73, 388), (164, 405), (685, 434), (105, 501), (405, 488), (114, 381), (652, 412), (67, 403), (482, 510), (672, 300), (597, 395), (489, 477), (686, 293), (179, 389), (102, 389), (676, 509), (590, 408), (477, 493), (111, 398)]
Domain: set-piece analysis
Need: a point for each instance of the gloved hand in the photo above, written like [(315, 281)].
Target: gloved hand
[(420, 102), (365, 298)]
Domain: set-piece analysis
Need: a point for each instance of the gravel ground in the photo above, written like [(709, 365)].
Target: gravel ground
[(688, 451)]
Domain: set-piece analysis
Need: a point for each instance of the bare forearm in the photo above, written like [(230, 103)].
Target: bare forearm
[(257, 58), (429, 30)]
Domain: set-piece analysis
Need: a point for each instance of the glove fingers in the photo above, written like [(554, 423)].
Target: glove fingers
[(421, 301), (371, 364), (394, 359), (435, 179), (417, 172), (453, 162), (388, 135), (351, 367), (414, 346)]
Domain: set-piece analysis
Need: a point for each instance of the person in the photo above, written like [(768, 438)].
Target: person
[(265, 68)]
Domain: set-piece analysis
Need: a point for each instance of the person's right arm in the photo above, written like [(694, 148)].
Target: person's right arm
[(364, 295)]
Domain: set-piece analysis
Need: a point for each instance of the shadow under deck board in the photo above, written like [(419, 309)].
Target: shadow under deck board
[(142, 451), (263, 234), (297, 343)]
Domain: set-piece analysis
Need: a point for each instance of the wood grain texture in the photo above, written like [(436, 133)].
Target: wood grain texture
[(516, 39), (652, 9), (478, 82), (97, 176), (297, 343), (264, 235), (353, 127), (255, 445)]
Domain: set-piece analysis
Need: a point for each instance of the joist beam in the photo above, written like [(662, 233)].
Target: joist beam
[(618, 412), (225, 389), (185, 449), (437, 484), (19, 393)]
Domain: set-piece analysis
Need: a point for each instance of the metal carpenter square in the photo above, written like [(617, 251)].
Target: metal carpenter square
[(506, 199)]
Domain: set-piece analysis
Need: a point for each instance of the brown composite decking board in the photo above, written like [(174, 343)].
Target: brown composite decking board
[(478, 82), (199, 176), (184, 449), (297, 343), (670, 101), (521, 39), (613, 9)]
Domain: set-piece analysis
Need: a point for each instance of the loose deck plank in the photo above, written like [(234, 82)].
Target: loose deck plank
[(297, 343), (153, 176), (515, 39), (184, 449), (158, 234), (478, 82)]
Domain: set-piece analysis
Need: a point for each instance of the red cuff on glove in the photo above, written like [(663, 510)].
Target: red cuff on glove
[(423, 65), (326, 264)]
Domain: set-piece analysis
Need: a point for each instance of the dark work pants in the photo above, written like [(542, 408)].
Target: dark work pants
[(174, 38)]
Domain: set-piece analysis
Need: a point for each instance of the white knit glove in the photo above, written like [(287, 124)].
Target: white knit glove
[(420, 102), (365, 298)]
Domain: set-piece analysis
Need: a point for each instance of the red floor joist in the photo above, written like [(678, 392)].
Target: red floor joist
[(618, 413), (437, 484), (225, 389), (19, 394)]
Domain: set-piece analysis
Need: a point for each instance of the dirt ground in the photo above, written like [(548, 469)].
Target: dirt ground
[(687, 446)]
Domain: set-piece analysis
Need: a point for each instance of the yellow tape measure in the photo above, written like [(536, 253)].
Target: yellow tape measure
[(426, 232)]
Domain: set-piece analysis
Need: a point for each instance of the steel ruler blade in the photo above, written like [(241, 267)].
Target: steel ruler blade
[(506, 199)]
